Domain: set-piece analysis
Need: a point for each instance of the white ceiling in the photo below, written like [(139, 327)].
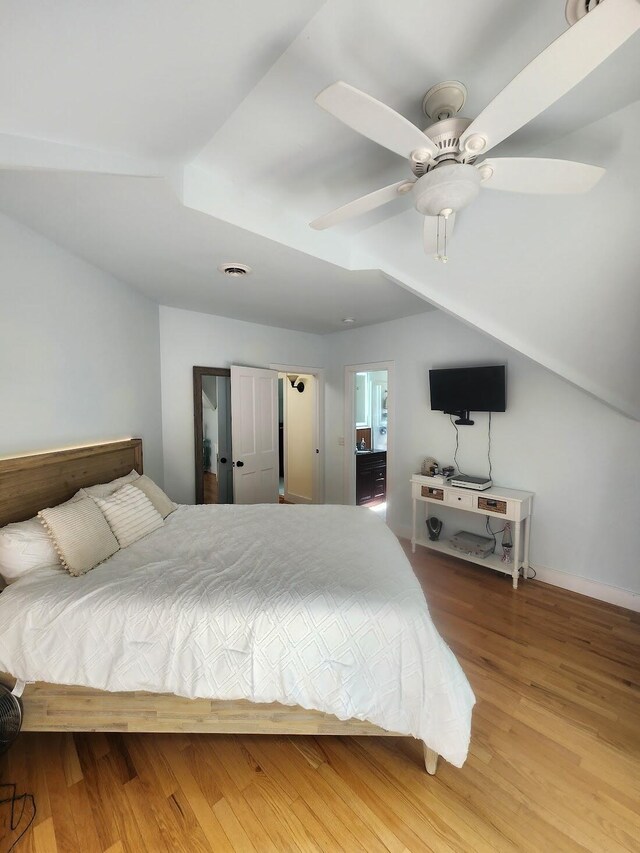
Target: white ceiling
[(137, 229), (152, 78), (219, 98)]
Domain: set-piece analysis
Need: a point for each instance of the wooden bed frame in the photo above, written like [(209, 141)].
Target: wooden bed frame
[(30, 483)]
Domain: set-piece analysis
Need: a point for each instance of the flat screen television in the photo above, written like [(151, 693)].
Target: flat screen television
[(461, 390)]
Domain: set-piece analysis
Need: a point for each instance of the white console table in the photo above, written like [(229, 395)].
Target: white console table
[(504, 504)]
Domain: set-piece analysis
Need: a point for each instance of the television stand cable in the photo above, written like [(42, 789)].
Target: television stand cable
[(455, 452)]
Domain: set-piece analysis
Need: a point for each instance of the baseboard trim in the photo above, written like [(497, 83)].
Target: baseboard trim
[(585, 586), (593, 589), (296, 499)]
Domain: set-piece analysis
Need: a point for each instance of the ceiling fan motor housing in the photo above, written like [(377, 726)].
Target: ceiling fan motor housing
[(445, 135), (451, 186)]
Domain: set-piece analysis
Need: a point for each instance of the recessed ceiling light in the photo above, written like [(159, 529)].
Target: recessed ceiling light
[(234, 269), (348, 320)]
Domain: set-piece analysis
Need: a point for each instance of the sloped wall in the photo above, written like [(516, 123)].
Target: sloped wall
[(79, 353)]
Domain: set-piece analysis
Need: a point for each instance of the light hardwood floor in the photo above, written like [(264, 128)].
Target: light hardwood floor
[(210, 485), (554, 762)]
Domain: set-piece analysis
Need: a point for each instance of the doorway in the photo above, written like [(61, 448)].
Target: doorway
[(368, 435), (237, 459), (300, 395)]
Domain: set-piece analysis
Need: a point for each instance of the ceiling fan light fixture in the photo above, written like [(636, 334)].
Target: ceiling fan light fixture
[(475, 144), (451, 187), (420, 155), (486, 171)]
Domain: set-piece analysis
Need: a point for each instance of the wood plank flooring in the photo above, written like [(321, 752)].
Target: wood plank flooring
[(210, 485), (554, 762)]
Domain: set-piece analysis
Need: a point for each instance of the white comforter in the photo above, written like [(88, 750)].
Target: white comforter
[(315, 606)]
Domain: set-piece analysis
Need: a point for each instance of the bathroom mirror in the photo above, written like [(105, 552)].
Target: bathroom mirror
[(362, 412)]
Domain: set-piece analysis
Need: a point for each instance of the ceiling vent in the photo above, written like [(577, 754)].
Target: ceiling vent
[(577, 9), (235, 270)]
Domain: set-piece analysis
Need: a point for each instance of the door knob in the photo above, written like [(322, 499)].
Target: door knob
[(240, 464), (223, 459)]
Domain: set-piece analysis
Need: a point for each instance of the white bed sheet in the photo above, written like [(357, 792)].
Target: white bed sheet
[(308, 605)]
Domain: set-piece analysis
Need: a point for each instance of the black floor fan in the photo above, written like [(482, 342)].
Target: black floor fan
[(10, 718), (22, 806)]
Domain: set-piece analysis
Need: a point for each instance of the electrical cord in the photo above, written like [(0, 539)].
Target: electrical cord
[(14, 799), (492, 533), (455, 452)]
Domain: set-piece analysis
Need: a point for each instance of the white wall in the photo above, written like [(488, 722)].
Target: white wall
[(79, 352), (581, 458), (188, 338)]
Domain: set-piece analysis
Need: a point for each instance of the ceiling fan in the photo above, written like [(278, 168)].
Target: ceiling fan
[(444, 158)]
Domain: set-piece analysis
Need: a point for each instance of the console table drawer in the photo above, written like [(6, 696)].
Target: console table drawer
[(492, 505), (430, 492), (464, 501)]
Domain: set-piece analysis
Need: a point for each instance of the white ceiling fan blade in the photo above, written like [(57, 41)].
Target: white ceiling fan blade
[(537, 175), (374, 119), (434, 234), (567, 61), (361, 205)]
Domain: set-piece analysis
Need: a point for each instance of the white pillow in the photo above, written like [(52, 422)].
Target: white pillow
[(161, 501), (130, 514), (25, 546), (104, 490), (80, 533)]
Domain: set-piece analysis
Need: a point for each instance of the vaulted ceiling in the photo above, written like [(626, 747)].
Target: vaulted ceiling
[(197, 126)]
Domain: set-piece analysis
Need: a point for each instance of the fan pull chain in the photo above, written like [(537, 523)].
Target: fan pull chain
[(444, 257), (441, 255)]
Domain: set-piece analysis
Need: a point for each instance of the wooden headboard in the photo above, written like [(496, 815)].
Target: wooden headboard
[(31, 483)]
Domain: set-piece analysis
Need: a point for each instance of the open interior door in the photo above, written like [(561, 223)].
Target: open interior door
[(254, 430)]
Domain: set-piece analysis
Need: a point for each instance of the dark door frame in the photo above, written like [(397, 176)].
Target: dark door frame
[(198, 373)]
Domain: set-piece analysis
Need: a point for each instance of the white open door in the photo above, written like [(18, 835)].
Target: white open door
[(254, 431)]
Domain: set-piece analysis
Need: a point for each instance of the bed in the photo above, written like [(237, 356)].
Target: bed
[(234, 619)]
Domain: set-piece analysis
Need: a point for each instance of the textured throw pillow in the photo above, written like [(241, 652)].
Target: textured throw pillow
[(104, 490), (130, 514), (25, 547), (80, 534), (158, 498)]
